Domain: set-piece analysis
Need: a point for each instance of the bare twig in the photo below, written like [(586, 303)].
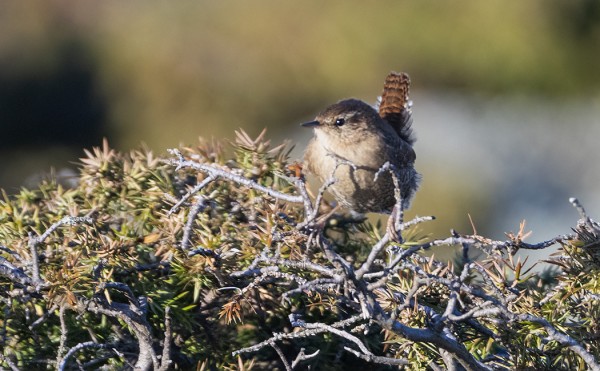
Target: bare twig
[(304, 357), (197, 208), (193, 191), (67, 220), (310, 218), (9, 362), (398, 213), (77, 348), (166, 361), (343, 334), (378, 359), (133, 314), (34, 242), (12, 253), (286, 364), (380, 245), (63, 335), (35, 264), (564, 340), (295, 335), (298, 264), (181, 162), (577, 205), (13, 273)]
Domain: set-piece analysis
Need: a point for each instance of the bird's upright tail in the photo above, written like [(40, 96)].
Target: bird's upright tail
[(395, 103)]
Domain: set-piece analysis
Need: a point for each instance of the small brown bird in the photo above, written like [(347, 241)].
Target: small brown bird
[(353, 141)]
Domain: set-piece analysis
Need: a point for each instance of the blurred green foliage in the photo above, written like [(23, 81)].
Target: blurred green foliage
[(171, 71)]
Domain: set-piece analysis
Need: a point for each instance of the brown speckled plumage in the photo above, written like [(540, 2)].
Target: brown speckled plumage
[(395, 105), (353, 132)]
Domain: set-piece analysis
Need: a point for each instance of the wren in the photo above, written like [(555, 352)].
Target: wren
[(353, 141)]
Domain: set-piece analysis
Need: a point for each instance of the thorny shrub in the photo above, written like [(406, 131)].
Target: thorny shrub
[(210, 260)]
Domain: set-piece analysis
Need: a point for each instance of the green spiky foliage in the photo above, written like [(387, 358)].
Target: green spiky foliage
[(136, 241), (141, 211)]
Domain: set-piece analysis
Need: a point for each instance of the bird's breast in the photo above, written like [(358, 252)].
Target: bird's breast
[(354, 169)]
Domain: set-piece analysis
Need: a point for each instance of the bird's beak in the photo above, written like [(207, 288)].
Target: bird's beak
[(311, 124)]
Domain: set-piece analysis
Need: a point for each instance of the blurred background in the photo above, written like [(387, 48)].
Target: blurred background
[(506, 95)]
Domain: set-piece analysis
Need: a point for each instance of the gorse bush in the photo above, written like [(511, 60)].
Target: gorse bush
[(219, 259)]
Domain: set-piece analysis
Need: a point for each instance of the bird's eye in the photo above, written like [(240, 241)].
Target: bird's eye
[(340, 122)]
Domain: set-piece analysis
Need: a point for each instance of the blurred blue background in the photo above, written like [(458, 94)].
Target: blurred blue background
[(506, 94)]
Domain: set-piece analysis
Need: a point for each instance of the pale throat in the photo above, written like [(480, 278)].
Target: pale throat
[(356, 153)]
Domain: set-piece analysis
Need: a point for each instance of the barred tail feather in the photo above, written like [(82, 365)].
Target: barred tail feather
[(395, 105)]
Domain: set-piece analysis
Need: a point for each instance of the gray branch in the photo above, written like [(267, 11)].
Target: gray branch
[(77, 348), (215, 172)]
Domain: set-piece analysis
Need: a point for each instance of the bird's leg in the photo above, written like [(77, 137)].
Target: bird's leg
[(393, 224)]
